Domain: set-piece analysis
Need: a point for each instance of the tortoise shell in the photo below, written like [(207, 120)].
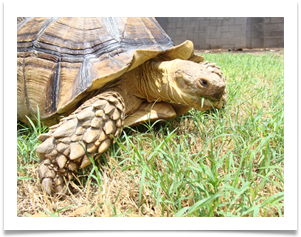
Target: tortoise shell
[(62, 60)]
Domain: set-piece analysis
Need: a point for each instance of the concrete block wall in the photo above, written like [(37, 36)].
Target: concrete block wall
[(274, 32), (226, 32)]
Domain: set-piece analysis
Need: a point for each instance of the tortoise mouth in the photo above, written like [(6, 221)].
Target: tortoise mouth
[(206, 103)]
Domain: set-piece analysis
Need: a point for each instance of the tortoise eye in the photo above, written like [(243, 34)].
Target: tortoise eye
[(204, 82)]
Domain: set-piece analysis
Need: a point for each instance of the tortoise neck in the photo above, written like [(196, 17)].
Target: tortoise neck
[(157, 82)]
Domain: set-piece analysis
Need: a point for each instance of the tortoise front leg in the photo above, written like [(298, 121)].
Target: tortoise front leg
[(89, 130), (155, 111)]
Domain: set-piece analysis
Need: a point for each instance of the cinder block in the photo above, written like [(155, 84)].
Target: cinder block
[(270, 42), (257, 20), (280, 26), (222, 28), (240, 45), (244, 27), (201, 28), (222, 41), (234, 41), (210, 41), (243, 41), (199, 18), (257, 34), (228, 34), (229, 21), (200, 45), (185, 30), (172, 25), (257, 42), (266, 33), (179, 24), (267, 45), (179, 31), (205, 23), (216, 22), (216, 35), (211, 29), (185, 23), (192, 23), (203, 36), (240, 20), (277, 19), (238, 42), (235, 28), (228, 46), (267, 20), (269, 27), (280, 42), (240, 34), (193, 29), (193, 35), (257, 26), (174, 19), (277, 33)]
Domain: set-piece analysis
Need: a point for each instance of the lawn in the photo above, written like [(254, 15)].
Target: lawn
[(220, 163)]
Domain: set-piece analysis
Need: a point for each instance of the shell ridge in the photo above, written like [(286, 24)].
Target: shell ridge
[(43, 28), (150, 35), (25, 87), (57, 78), (23, 22), (155, 22), (112, 28)]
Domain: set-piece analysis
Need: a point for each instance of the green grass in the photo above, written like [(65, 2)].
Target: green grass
[(227, 162), (26, 144)]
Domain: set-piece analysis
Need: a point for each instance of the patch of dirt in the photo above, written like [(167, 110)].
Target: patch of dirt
[(258, 51)]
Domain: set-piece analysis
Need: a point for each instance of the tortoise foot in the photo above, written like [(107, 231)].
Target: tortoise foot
[(53, 178)]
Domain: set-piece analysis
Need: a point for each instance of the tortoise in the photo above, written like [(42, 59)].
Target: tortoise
[(90, 77)]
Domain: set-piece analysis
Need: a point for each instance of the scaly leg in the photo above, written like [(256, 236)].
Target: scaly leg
[(91, 128)]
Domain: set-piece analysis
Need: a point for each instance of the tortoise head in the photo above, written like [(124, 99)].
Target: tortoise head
[(199, 85)]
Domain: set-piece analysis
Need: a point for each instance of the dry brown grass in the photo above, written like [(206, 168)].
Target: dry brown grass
[(117, 196)]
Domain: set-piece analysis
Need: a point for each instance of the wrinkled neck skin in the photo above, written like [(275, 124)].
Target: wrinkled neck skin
[(148, 82), (157, 83)]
